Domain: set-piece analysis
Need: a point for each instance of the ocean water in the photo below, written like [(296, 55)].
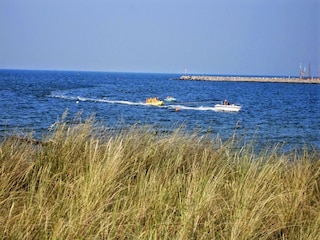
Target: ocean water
[(271, 113)]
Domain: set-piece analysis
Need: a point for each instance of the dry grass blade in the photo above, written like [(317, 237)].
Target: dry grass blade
[(86, 182)]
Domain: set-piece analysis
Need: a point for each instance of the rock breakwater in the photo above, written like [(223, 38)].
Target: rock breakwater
[(250, 79)]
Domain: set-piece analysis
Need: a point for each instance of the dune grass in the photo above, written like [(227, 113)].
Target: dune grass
[(86, 182)]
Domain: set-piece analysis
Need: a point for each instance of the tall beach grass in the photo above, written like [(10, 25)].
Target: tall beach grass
[(89, 182)]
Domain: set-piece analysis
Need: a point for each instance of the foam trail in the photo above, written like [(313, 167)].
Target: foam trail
[(84, 99), (118, 102), (201, 108)]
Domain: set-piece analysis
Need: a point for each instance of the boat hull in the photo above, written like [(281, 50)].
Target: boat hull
[(227, 108), (170, 99), (158, 103)]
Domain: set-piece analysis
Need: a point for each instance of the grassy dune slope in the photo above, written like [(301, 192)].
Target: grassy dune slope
[(80, 183)]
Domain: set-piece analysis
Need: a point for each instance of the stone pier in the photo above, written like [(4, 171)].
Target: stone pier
[(250, 79)]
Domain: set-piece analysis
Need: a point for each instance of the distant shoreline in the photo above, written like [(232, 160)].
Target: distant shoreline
[(250, 79)]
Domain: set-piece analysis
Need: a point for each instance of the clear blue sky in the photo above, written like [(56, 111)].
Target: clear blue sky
[(261, 37)]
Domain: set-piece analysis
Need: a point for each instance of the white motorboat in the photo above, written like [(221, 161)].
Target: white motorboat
[(227, 108), (170, 99)]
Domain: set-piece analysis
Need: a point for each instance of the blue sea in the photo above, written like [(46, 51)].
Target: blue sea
[(283, 114)]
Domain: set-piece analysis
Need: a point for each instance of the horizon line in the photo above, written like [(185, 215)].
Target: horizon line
[(141, 72)]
